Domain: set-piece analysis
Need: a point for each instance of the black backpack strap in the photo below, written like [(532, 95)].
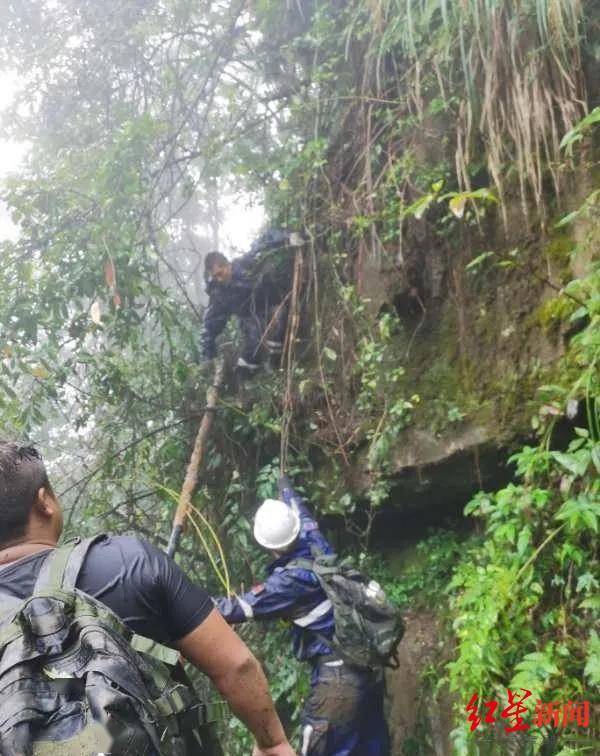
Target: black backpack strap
[(52, 570), (76, 560), (61, 567)]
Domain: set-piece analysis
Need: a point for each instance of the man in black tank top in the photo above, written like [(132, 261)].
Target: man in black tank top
[(145, 588)]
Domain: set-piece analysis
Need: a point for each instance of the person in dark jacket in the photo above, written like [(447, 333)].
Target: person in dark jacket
[(343, 715), (254, 289)]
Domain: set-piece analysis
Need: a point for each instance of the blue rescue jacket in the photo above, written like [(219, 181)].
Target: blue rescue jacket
[(292, 594)]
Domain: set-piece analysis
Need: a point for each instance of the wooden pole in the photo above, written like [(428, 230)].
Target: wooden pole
[(193, 468)]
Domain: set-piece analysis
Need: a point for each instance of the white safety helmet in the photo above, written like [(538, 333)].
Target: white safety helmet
[(276, 526)]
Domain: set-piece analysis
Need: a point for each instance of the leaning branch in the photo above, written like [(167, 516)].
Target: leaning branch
[(191, 476)]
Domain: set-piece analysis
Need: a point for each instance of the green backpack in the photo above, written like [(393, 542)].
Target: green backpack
[(73, 684), (368, 628)]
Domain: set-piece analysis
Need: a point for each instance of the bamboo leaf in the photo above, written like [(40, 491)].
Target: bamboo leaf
[(566, 219)]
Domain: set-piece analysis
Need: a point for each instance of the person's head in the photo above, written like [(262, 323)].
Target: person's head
[(217, 268), (29, 510), (276, 526)]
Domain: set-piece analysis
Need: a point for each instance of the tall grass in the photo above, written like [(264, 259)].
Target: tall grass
[(515, 66)]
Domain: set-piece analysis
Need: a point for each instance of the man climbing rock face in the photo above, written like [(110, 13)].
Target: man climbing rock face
[(255, 288), (343, 715), (144, 589)]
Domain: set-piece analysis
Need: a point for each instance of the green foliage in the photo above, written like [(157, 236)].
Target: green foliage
[(587, 210), (420, 581), (357, 121), (457, 201), (577, 133), (592, 666), (524, 600), (381, 402)]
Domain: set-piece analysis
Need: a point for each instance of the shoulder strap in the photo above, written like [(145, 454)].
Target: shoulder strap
[(300, 563), (10, 605), (310, 564), (61, 567), (76, 560), (319, 567)]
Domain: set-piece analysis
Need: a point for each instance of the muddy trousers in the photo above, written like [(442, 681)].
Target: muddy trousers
[(343, 715)]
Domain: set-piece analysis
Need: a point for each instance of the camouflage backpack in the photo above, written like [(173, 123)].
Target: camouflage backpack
[(73, 684), (368, 628)]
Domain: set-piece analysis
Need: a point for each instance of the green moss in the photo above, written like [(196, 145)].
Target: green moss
[(485, 325), (559, 246), (553, 312), (558, 250), (439, 389), (514, 395)]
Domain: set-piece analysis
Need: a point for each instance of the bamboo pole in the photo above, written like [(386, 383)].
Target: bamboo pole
[(193, 468), (288, 357)]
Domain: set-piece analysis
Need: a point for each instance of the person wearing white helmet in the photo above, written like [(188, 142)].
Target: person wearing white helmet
[(343, 715), (276, 526)]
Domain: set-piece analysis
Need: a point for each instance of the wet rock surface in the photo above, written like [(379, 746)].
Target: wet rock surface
[(419, 724)]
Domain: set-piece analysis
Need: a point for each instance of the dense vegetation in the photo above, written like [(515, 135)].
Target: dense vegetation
[(404, 139)]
